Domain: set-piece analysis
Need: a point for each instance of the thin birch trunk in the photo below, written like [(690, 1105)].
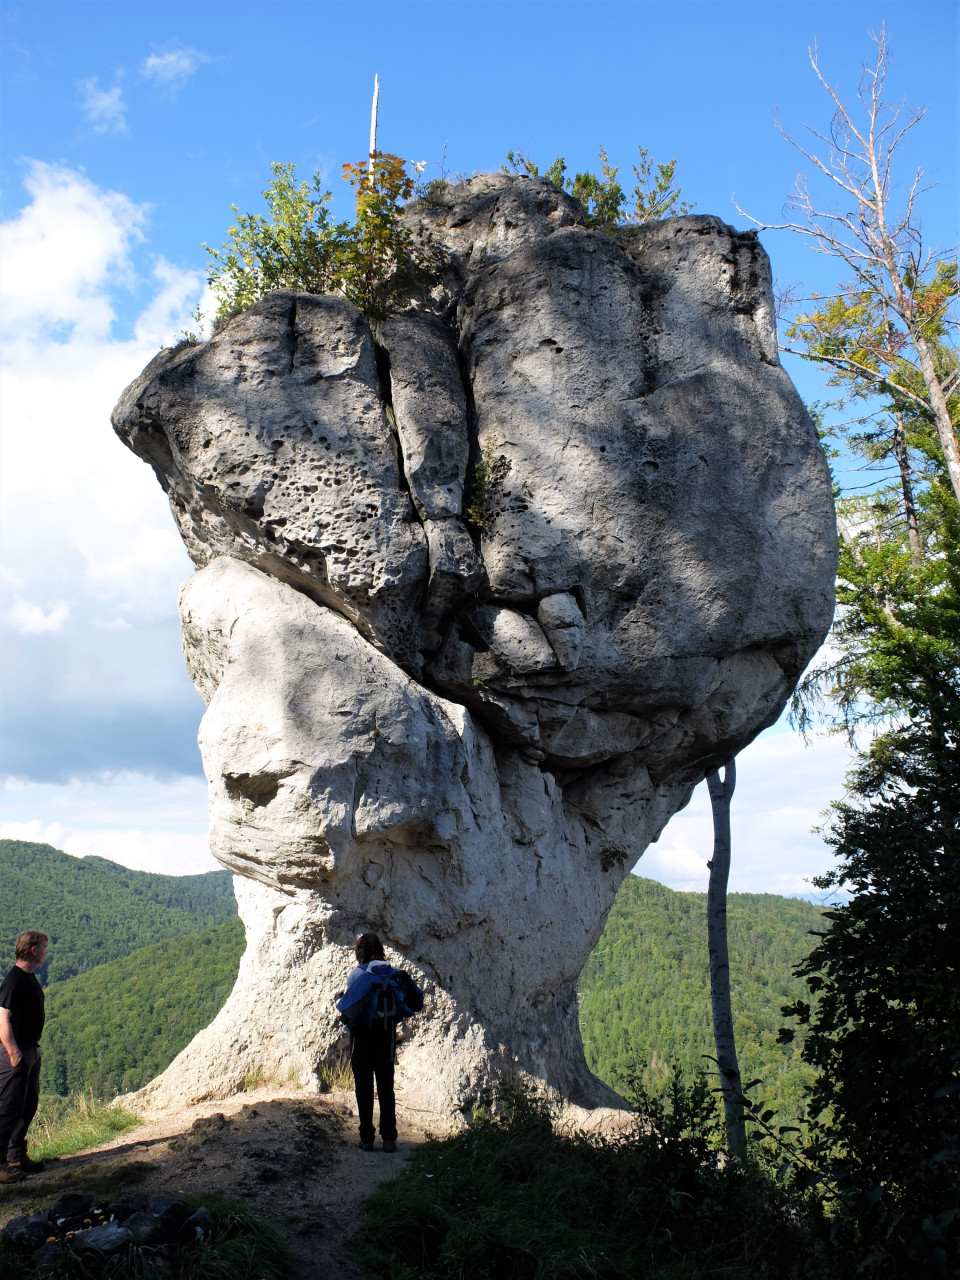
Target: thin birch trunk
[(905, 308), (723, 1038)]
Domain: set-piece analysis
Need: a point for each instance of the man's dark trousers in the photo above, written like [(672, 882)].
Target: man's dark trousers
[(371, 1055), (19, 1097)]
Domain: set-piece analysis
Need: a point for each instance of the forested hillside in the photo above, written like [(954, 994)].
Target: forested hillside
[(139, 963), (117, 1026), (645, 991), (96, 911)]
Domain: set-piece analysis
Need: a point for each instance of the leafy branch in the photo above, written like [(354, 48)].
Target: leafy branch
[(374, 263), (486, 483), (602, 196)]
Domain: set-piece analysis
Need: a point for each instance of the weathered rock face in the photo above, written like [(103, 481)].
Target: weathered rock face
[(461, 734)]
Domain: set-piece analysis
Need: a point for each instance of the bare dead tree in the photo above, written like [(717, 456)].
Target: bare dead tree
[(895, 308), (721, 793)]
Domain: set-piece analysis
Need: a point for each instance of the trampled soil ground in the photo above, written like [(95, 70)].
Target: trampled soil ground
[(294, 1157)]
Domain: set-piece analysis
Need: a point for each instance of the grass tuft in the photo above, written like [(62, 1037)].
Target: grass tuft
[(336, 1075), (63, 1126), (255, 1078)]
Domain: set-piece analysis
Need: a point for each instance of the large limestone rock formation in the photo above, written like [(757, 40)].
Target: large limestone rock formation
[(463, 733)]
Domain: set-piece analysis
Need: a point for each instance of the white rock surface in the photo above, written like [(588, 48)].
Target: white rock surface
[(464, 737), (562, 622), (429, 405)]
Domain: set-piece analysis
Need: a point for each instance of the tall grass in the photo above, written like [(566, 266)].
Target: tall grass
[(336, 1075), (63, 1126)]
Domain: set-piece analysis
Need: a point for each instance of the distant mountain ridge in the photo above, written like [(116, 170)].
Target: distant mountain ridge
[(96, 911)]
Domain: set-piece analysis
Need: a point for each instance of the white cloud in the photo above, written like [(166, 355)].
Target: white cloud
[(84, 526), (31, 620), (104, 108), (60, 258), (782, 789), (72, 483), (173, 69), (126, 817), (81, 516), (169, 312)]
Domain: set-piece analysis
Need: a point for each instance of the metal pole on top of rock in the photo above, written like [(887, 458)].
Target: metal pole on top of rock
[(373, 121)]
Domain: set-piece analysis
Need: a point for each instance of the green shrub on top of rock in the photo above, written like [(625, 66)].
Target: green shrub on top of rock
[(373, 262)]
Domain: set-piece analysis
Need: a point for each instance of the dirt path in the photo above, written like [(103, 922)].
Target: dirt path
[(293, 1157)]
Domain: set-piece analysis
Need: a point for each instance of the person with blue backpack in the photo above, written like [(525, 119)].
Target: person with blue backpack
[(377, 997)]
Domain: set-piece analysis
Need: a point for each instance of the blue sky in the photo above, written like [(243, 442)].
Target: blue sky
[(130, 129)]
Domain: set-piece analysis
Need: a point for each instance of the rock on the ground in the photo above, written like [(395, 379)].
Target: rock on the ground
[(162, 1222), (480, 597), (108, 1238)]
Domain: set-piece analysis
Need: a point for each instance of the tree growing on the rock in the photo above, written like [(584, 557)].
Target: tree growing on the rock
[(605, 202), (371, 262)]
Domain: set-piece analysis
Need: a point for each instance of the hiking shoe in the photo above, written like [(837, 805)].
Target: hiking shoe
[(389, 1144), (29, 1166), (366, 1146), (10, 1173)]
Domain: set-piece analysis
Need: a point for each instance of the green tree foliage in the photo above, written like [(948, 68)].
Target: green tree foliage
[(885, 1033), (486, 485), (894, 640), (867, 347), (373, 262), (382, 258), (644, 992), (96, 911), (884, 1036), (294, 247), (113, 1028), (603, 197)]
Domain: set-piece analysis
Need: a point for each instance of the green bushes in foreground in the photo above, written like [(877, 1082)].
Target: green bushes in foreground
[(515, 1199)]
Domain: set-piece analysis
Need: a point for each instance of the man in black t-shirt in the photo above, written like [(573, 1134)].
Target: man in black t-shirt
[(21, 1025)]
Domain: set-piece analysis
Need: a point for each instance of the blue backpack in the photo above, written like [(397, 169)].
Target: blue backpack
[(381, 992)]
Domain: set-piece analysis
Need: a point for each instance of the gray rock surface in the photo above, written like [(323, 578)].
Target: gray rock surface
[(275, 446), (463, 733), (108, 1238)]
